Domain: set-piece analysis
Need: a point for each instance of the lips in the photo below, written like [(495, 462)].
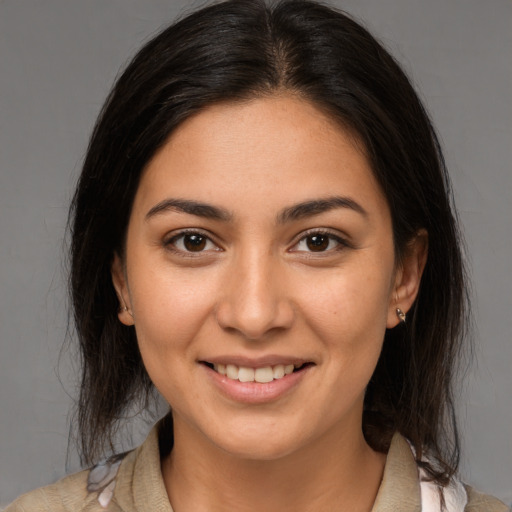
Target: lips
[(256, 381), (260, 374)]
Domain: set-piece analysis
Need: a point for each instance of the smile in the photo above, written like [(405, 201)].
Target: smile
[(261, 375), (256, 380)]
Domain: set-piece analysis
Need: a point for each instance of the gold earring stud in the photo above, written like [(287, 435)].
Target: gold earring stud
[(401, 315), (124, 309)]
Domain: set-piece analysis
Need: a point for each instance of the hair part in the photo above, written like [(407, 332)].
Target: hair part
[(238, 50)]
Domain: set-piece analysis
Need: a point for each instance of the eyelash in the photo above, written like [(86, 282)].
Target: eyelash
[(171, 242), (341, 242)]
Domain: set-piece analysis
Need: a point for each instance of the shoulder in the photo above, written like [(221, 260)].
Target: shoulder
[(68, 494), (89, 490), (122, 483), (404, 480), (478, 502)]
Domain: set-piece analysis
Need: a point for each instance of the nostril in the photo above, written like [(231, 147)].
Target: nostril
[(252, 316)]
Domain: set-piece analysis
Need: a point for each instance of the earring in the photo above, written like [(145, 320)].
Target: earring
[(401, 315), (124, 309)]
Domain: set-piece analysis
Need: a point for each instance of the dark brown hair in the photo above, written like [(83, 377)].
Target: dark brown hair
[(242, 49)]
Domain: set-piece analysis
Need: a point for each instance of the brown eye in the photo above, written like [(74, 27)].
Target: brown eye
[(317, 243), (191, 242), (320, 242), (194, 242)]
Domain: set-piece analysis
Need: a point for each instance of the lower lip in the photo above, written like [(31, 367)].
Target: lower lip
[(256, 392)]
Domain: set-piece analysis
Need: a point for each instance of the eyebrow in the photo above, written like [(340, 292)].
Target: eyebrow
[(318, 206), (296, 212), (196, 208)]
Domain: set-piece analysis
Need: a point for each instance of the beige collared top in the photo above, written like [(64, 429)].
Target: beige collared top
[(138, 486)]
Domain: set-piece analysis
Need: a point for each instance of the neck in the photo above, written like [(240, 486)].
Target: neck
[(336, 472)]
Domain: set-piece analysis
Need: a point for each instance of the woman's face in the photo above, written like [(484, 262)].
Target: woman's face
[(260, 242)]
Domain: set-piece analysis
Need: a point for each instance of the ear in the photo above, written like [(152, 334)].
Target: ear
[(408, 277), (117, 270)]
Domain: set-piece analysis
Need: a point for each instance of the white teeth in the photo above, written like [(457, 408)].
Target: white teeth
[(261, 375), (245, 374), (232, 371), (278, 371), (264, 374)]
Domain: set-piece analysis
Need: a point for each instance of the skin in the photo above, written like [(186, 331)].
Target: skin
[(258, 288)]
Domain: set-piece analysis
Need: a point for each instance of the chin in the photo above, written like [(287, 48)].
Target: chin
[(261, 442), (258, 450)]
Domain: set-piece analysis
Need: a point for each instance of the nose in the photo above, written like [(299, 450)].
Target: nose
[(254, 301)]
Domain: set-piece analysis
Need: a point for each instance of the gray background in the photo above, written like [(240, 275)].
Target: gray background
[(58, 59)]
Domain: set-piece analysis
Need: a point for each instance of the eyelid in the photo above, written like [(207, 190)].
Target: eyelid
[(335, 235), (171, 237)]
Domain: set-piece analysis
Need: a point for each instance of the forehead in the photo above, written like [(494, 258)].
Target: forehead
[(264, 151)]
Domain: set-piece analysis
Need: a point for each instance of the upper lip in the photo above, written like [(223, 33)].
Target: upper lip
[(256, 362)]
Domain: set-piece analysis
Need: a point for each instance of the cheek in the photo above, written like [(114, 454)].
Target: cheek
[(348, 308), (170, 307), (349, 298)]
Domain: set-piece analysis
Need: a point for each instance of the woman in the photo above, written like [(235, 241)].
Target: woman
[(262, 231)]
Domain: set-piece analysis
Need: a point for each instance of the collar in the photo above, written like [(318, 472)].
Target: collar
[(140, 486), (400, 488)]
